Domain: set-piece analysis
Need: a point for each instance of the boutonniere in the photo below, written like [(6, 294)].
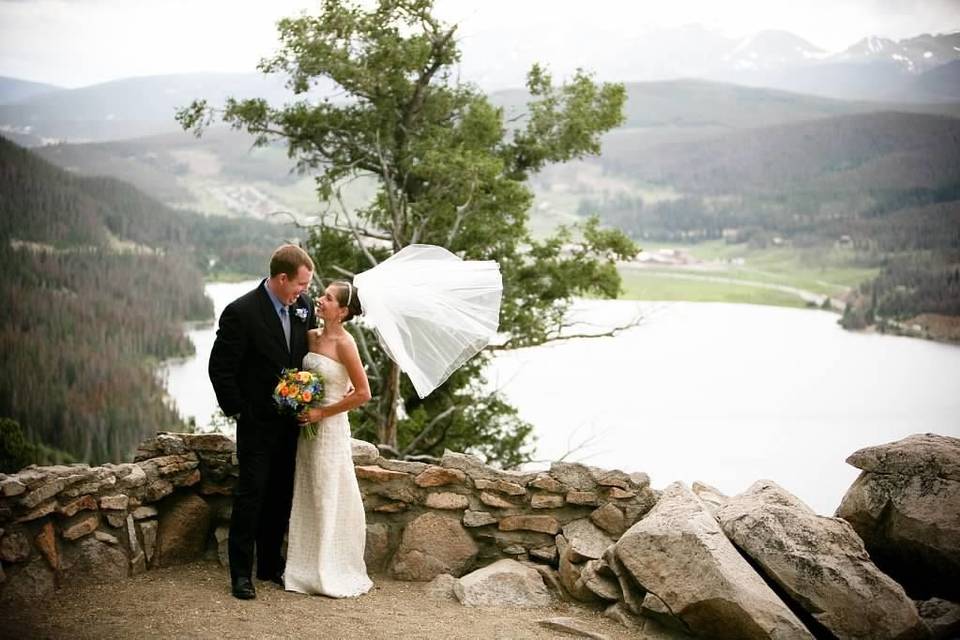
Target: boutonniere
[(302, 313)]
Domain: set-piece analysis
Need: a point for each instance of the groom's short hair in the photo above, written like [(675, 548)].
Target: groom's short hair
[(288, 259)]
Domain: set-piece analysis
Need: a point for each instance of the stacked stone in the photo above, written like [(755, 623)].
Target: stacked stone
[(757, 565), (74, 524), (429, 519)]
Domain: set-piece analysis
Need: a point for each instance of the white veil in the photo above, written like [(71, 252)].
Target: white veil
[(431, 310)]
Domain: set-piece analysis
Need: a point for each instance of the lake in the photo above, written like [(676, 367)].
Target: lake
[(722, 393)]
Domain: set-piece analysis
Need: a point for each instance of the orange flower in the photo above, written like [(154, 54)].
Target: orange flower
[(307, 396)]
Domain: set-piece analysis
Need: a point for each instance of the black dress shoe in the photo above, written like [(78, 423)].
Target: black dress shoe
[(243, 589), (276, 578)]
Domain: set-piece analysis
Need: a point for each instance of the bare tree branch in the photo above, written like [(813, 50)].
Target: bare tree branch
[(507, 346), (429, 427), (354, 231)]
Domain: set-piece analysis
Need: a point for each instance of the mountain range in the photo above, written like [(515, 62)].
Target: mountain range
[(921, 69)]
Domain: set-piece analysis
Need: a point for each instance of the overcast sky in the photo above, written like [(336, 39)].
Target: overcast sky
[(79, 42)]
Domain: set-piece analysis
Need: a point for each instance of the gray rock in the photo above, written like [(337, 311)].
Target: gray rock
[(404, 466), (115, 502), (90, 561), (209, 442), (542, 524), (103, 536), (820, 563), (941, 617), (36, 513), (548, 483), (222, 536), (571, 626), (435, 476), (133, 478), (501, 486), (447, 500), (546, 501), (14, 547), (41, 493), (116, 520), (363, 452), (184, 525), (149, 532), (376, 551), (633, 594), (12, 487), (610, 518), (441, 587), (475, 468), (546, 554), (81, 525), (678, 552), (588, 498), (430, 545), (618, 612), (586, 540), (713, 498), (599, 579), (478, 518), (27, 584), (569, 572), (141, 513), (505, 583), (574, 475), (904, 506)]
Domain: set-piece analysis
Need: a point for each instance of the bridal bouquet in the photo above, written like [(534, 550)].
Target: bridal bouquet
[(297, 391)]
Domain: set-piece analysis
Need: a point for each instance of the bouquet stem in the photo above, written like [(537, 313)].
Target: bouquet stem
[(309, 430)]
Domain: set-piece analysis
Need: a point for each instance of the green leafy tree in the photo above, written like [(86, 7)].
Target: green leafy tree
[(450, 170)]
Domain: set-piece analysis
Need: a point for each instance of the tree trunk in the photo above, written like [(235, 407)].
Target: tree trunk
[(391, 398)]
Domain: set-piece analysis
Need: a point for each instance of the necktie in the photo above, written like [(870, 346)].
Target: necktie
[(285, 321)]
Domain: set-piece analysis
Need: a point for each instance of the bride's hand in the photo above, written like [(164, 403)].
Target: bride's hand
[(313, 414)]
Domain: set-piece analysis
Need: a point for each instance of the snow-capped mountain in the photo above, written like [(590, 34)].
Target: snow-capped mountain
[(913, 55), (771, 50)]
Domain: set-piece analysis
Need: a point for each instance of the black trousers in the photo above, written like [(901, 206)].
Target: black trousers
[(261, 504)]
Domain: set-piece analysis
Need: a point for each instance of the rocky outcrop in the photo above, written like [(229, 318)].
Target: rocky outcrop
[(820, 563), (906, 507), (505, 583), (589, 534), (679, 553)]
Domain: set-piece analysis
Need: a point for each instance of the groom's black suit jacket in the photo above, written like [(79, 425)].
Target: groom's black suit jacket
[(247, 359)]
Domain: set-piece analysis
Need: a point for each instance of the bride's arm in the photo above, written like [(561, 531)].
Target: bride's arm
[(348, 354)]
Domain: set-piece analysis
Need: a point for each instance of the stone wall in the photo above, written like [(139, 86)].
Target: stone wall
[(74, 524), (690, 560)]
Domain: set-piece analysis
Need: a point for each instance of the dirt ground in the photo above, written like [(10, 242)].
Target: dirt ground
[(194, 601)]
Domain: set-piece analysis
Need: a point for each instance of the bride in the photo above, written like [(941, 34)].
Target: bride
[(326, 539), (431, 312)]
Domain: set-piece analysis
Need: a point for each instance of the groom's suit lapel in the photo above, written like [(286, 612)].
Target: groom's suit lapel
[(272, 320), (298, 327)]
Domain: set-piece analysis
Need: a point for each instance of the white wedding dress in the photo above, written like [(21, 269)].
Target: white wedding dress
[(326, 539)]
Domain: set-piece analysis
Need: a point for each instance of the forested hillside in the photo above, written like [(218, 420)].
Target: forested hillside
[(885, 186), (97, 281)]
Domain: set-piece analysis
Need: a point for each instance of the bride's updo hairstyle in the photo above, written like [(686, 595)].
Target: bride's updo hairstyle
[(347, 297)]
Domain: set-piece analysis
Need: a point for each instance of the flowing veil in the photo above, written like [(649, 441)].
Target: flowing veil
[(431, 310)]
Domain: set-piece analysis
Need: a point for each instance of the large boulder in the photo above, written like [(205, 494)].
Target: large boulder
[(91, 561), (678, 552), (505, 583), (820, 563), (906, 507), (433, 544), (185, 521)]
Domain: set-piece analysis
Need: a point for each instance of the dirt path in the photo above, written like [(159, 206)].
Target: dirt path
[(193, 601)]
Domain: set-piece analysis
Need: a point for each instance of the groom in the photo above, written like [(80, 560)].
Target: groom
[(260, 334)]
